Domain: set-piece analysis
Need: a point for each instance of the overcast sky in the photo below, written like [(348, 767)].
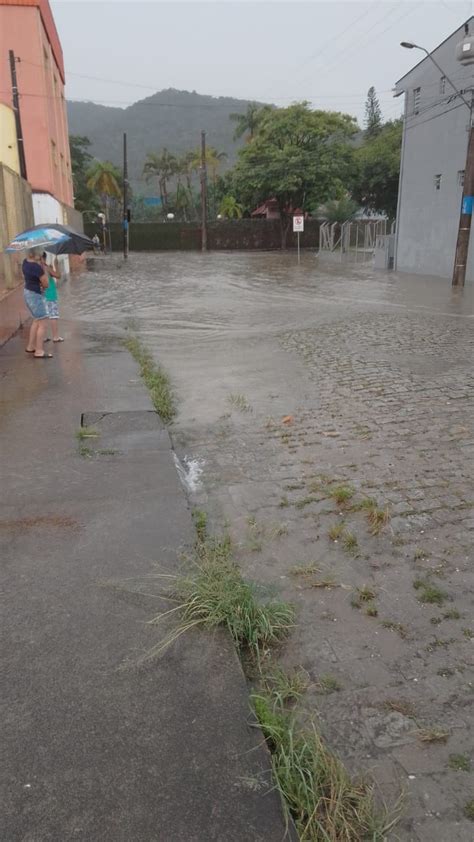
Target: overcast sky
[(326, 52)]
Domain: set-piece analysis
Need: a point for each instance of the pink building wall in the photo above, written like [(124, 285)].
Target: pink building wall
[(27, 27)]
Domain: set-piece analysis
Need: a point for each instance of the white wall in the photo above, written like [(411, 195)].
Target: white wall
[(435, 142), (47, 209)]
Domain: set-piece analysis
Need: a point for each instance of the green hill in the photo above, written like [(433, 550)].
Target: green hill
[(169, 118)]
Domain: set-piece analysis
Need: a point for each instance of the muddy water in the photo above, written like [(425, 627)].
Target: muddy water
[(291, 380)]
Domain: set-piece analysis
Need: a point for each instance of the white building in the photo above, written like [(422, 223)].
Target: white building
[(435, 139)]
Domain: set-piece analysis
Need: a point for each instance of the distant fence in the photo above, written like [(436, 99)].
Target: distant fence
[(224, 235)]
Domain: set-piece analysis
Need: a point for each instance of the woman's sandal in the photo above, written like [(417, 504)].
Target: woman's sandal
[(42, 356), (59, 339)]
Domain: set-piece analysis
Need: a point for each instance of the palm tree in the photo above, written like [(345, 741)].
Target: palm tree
[(230, 208), (104, 178), (249, 121), (214, 159), (163, 167)]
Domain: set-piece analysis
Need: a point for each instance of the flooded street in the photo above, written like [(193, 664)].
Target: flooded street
[(325, 416)]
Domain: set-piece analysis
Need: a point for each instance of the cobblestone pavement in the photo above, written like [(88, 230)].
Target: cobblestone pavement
[(292, 382)]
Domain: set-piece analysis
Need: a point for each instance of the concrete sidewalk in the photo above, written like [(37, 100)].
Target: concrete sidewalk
[(94, 747)]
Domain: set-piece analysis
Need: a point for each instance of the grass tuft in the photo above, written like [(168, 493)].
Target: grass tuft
[(350, 542), (286, 686), (304, 570), (84, 433), (85, 452), (469, 810), (215, 594), (155, 378), (327, 684), (200, 524), (336, 531), (326, 804), (377, 518), (239, 402), (341, 494), (429, 593), (397, 627), (432, 735), (459, 762)]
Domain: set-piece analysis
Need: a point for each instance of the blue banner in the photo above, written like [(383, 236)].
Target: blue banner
[(467, 204)]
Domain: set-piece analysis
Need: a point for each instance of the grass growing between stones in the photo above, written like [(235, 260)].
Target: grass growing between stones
[(214, 594), (429, 593), (155, 378), (84, 433), (459, 762), (326, 804)]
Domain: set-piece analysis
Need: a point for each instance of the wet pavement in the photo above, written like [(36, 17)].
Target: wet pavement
[(293, 380), (99, 743)]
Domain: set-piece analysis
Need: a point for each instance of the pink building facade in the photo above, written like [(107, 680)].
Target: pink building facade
[(27, 27)]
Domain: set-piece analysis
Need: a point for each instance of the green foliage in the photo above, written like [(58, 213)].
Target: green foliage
[(105, 178), (249, 120), (339, 210), (377, 170), (326, 804), (156, 380), (298, 157), (81, 159), (162, 166), (230, 208), (214, 594), (373, 114)]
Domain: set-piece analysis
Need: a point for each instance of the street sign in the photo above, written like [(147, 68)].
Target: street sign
[(298, 223)]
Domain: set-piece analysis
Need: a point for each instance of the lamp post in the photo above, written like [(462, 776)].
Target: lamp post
[(465, 216)]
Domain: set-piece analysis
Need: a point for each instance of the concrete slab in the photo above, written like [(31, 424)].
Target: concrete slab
[(96, 746)]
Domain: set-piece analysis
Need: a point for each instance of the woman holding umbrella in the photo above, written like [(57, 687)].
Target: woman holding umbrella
[(36, 281)]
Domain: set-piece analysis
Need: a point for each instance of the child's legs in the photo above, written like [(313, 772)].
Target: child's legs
[(53, 313)]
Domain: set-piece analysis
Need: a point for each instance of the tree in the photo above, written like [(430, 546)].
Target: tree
[(378, 170), (214, 159), (81, 159), (163, 166), (104, 179), (373, 114), (230, 208), (298, 157), (340, 210), (248, 121)]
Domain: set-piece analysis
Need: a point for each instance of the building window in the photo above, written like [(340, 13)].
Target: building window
[(461, 178), (437, 181), (442, 85), (416, 100)]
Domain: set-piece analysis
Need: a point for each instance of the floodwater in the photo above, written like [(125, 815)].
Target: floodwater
[(291, 381)]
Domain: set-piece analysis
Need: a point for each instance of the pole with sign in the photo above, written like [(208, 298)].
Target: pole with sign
[(298, 227)]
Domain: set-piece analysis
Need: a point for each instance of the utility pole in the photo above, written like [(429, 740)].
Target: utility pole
[(465, 217), (203, 193), (16, 109), (125, 200)]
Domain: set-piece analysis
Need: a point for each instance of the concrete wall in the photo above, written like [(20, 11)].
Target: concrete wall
[(435, 143), (8, 141), (16, 214), (238, 234)]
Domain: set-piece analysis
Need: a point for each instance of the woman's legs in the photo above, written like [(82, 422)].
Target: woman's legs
[(32, 336), (40, 337)]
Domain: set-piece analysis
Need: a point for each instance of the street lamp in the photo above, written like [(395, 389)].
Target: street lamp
[(410, 46)]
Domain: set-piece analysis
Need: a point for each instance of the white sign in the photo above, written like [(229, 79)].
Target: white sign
[(298, 223)]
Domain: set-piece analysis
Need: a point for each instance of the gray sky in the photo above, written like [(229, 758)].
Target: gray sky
[(327, 52)]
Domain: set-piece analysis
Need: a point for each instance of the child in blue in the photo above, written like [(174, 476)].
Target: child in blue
[(51, 299)]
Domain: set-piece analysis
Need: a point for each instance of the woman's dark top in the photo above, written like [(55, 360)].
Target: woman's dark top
[(32, 273)]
